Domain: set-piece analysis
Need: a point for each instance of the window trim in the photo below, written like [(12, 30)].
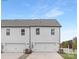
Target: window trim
[(8, 32), (22, 32), (37, 31), (52, 31)]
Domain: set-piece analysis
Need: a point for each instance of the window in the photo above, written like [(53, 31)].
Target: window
[(37, 31), (7, 31), (22, 31), (52, 31)]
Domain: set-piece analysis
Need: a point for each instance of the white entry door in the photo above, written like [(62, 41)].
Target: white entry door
[(45, 47), (15, 47)]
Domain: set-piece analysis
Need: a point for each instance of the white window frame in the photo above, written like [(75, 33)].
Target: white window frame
[(52, 31), (22, 32), (37, 31), (8, 32)]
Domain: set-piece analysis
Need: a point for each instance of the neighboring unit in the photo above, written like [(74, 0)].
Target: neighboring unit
[(40, 35)]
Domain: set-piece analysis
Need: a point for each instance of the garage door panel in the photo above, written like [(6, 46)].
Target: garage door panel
[(47, 47), (15, 47)]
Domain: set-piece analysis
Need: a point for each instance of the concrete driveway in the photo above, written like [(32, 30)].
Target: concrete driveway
[(31, 56), (44, 56), (11, 55)]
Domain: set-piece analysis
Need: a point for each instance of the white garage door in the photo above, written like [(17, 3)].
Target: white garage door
[(45, 47), (15, 47)]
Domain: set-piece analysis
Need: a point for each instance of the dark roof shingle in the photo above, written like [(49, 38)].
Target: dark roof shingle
[(30, 22)]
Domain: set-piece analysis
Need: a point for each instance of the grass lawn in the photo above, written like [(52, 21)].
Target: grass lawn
[(69, 56)]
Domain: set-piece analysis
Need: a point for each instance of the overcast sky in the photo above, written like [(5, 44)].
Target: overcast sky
[(62, 10)]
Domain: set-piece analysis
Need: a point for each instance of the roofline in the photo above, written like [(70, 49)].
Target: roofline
[(31, 26), (26, 19)]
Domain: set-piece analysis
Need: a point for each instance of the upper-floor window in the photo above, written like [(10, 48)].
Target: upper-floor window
[(52, 31), (22, 31), (7, 31), (37, 31)]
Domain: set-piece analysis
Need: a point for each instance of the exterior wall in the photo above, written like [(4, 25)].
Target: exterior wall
[(45, 34), (15, 41), (45, 40), (15, 35)]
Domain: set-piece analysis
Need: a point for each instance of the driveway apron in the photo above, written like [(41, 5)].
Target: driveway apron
[(11, 55), (44, 56)]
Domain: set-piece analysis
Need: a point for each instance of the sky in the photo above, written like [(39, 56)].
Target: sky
[(65, 11)]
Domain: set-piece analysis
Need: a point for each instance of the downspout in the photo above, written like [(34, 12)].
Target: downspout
[(30, 38), (59, 37)]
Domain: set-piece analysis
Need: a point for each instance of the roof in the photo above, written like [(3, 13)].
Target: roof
[(30, 22)]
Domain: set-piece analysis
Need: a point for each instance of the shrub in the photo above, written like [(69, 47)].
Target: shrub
[(28, 51), (61, 51)]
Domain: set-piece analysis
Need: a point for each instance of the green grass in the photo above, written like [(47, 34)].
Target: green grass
[(69, 56)]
